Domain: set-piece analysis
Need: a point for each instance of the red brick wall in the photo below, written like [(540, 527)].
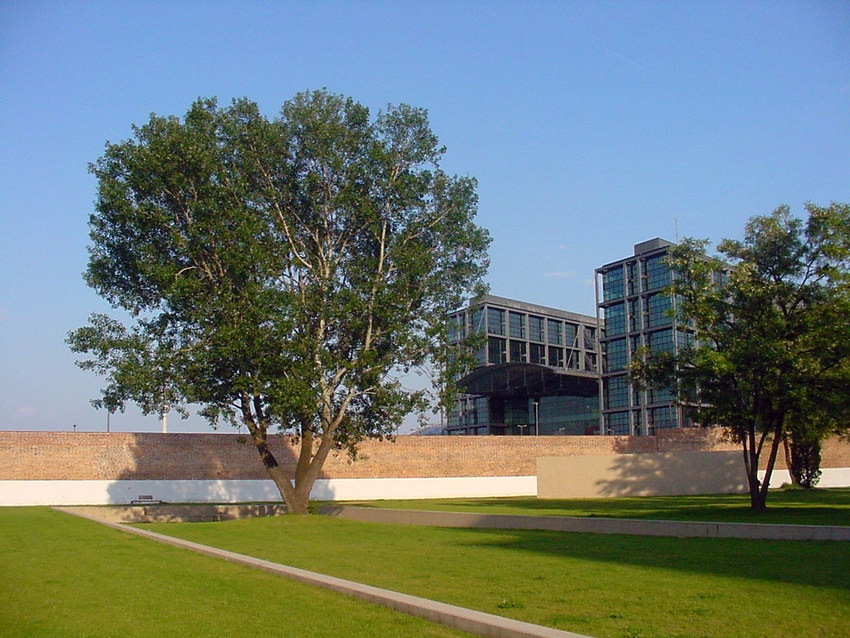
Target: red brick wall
[(94, 456)]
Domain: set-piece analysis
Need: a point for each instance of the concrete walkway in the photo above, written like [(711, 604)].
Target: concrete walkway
[(468, 620), (682, 529)]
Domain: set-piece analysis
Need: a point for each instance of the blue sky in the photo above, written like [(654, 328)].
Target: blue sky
[(591, 126)]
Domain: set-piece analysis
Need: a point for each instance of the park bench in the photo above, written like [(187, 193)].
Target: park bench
[(145, 499)]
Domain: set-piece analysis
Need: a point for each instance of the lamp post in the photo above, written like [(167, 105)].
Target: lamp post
[(536, 417)]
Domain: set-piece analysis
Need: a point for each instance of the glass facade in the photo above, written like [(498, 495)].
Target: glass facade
[(638, 312), (635, 313), (520, 333)]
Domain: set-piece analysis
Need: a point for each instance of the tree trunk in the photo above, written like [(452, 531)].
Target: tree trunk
[(758, 488), (788, 461), (751, 465)]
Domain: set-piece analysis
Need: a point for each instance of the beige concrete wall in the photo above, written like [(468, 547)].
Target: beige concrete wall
[(640, 475)]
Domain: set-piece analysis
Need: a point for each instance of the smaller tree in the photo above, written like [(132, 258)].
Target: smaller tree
[(771, 341)]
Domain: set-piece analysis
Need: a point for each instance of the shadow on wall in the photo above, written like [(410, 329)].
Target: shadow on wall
[(650, 474), (670, 474), (198, 468)]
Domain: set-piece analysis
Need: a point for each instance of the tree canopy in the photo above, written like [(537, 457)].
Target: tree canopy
[(280, 272), (769, 355)]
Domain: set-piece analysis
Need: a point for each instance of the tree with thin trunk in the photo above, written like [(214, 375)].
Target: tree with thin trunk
[(767, 348), (280, 273)]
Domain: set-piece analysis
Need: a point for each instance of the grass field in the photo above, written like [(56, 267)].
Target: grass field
[(603, 586), (790, 506), (62, 576)]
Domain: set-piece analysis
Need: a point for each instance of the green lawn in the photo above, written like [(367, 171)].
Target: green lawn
[(65, 576), (792, 506), (604, 586)]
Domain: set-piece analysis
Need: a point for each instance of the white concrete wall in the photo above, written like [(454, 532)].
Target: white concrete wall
[(830, 477), (225, 491), (122, 492)]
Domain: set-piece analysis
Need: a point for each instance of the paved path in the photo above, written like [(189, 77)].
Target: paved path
[(469, 620), (682, 529)]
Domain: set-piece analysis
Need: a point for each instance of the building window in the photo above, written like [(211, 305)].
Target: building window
[(556, 357), (631, 277), (535, 328), (573, 359), (555, 329), (616, 355), (570, 335), (537, 353), (517, 325), (590, 362), (612, 284), (517, 350), (617, 392), (496, 321), (589, 338), (634, 315), (617, 423), (496, 350), (661, 341), (615, 319), (660, 394), (478, 321), (658, 311), (481, 411), (480, 356), (456, 328), (657, 272), (684, 339), (663, 418)]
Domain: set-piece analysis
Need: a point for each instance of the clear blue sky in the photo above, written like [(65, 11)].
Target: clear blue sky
[(590, 126)]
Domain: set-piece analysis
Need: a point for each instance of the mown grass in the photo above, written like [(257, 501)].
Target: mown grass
[(604, 586), (786, 506), (61, 576)]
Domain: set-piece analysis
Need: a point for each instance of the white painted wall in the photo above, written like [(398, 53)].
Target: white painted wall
[(227, 491), (830, 477), (122, 492)]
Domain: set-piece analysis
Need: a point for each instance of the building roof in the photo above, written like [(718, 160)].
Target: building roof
[(515, 304), (518, 379)]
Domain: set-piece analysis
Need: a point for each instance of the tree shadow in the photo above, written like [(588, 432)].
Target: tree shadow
[(819, 564), (673, 474), (198, 468)]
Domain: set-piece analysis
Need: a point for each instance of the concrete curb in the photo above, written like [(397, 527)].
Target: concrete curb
[(167, 513), (682, 529), (469, 620)]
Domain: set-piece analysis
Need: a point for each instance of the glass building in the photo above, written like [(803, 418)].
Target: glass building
[(536, 372), (546, 371), (637, 312)]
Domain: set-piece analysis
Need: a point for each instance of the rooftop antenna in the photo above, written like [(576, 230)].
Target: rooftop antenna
[(676, 223)]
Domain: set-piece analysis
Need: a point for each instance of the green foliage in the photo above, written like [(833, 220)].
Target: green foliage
[(771, 353), (805, 462), (280, 272)]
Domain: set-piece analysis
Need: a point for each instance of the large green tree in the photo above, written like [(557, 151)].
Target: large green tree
[(280, 272), (770, 354)]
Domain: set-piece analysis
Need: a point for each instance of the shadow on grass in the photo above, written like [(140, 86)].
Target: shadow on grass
[(819, 564), (796, 507)]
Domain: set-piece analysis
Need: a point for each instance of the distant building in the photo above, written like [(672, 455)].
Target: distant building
[(637, 312), (536, 373), (548, 371)]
